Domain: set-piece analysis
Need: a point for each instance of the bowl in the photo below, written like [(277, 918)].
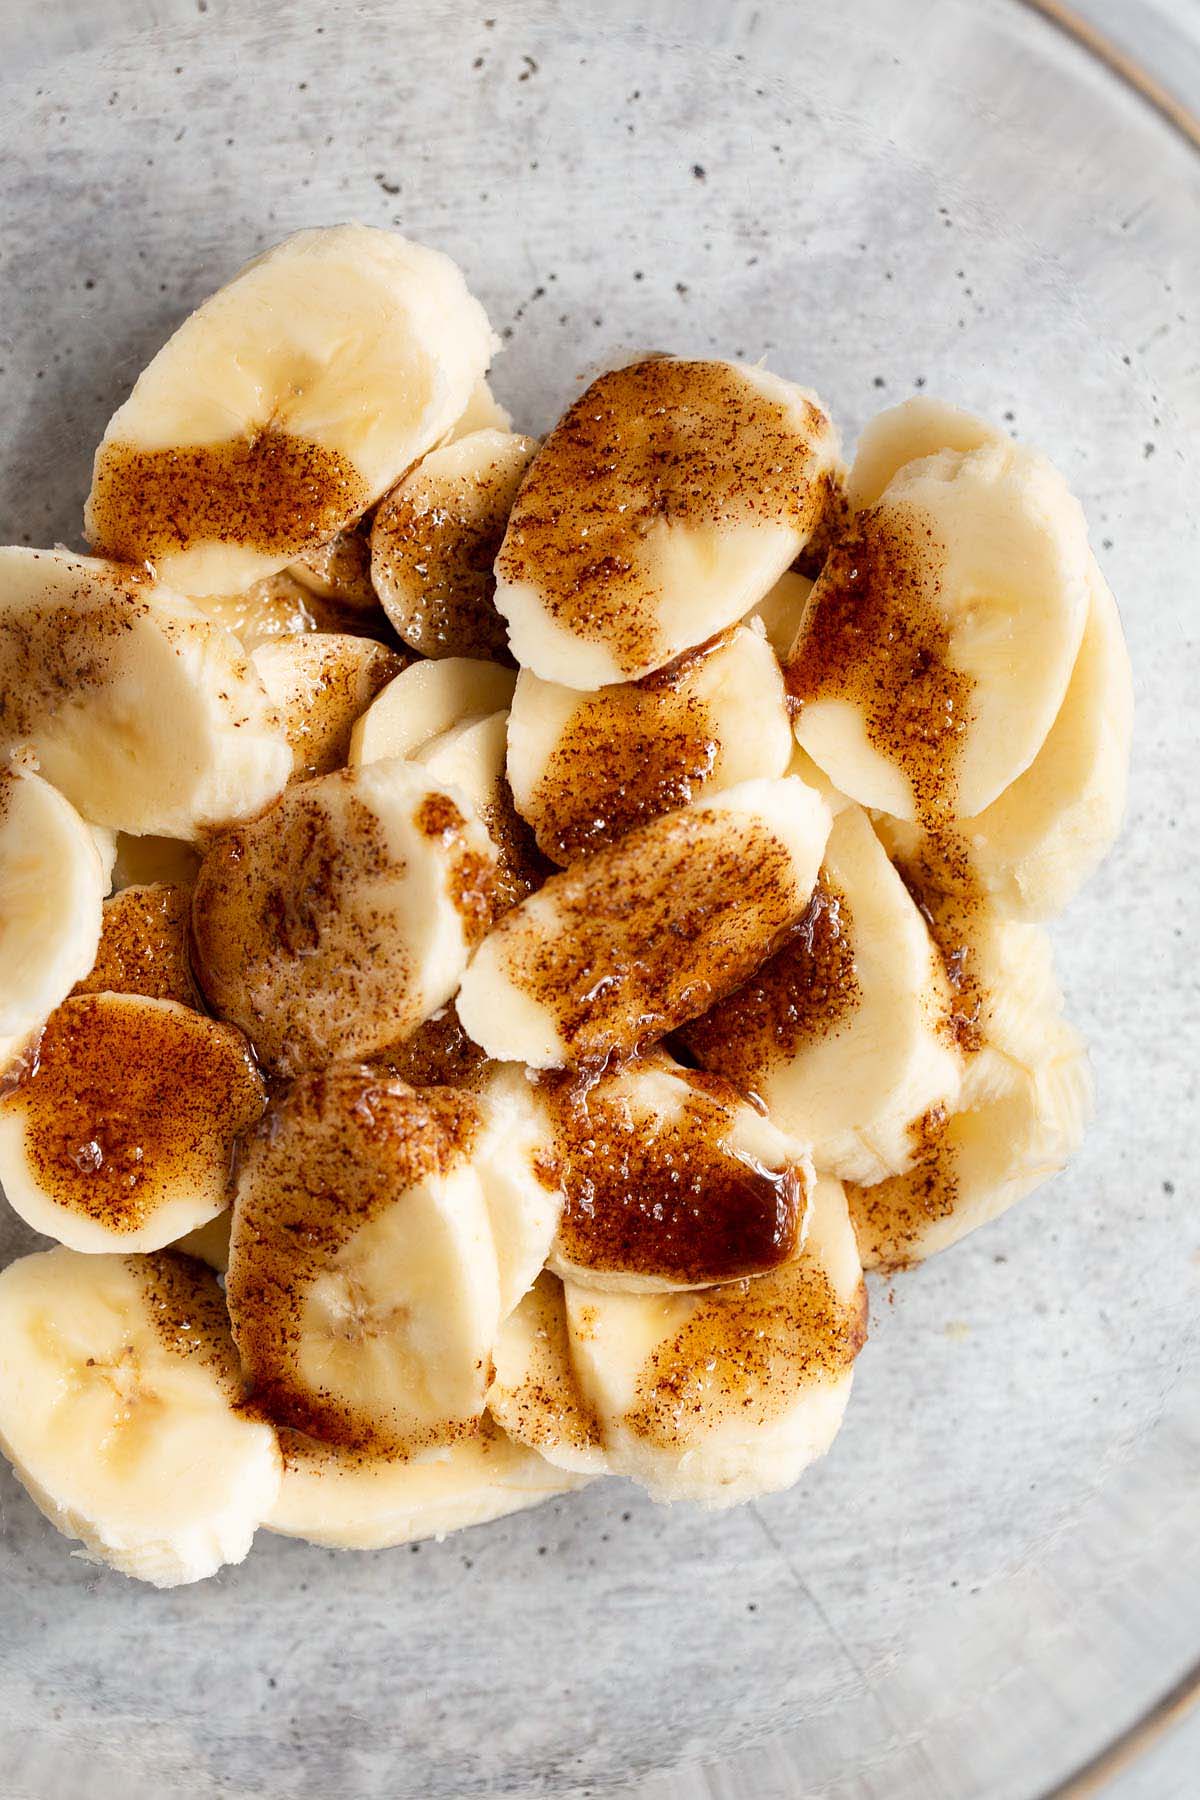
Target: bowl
[(996, 1569)]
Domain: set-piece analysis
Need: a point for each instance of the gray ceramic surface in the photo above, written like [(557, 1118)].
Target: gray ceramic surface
[(997, 1565)]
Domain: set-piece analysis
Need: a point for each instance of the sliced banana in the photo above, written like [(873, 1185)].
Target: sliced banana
[(362, 1283), (844, 1033), (669, 1180), (520, 1186), (340, 570), (586, 768), (320, 684), (120, 1410), (939, 639), (471, 758), (1033, 848), (209, 1242), (437, 1054), (729, 1393), (138, 708), (434, 542), (151, 861), (272, 608), (356, 1500), (118, 1133), (426, 700), (984, 1157), (52, 887), (144, 946), (285, 405), (337, 921), (779, 613), (632, 942), (534, 1395), (483, 413), (666, 503), (907, 433)]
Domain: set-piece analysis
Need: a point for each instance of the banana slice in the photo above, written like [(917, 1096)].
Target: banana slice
[(586, 768), (471, 758), (483, 413), (209, 1242), (780, 612), (665, 504), (339, 570), (151, 861), (356, 1500), (632, 942), (118, 1132), (426, 700), (844, 1034), (342, 917), (272, 608), (534, 1395), (120, 1412), (285, 405), (320, 684), (144, 947), (1033, 848), (138, 708), (669, 1180), (908, 433), (983, 1158), (362, 1282), (726, 1394), (437, 1054), (52, 887), (520, 1187), (434, 541), (939, 639)]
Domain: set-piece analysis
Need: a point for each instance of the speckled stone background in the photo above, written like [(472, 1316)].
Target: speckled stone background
[(998, 1564)]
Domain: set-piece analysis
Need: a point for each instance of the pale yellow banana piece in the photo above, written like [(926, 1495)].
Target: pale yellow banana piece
[(52, 886), (320, 683), (426, 700), (534, 1394)]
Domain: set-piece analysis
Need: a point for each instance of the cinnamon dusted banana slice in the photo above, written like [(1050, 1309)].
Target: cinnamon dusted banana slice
[(632, 942), (342, 917), (437, 1054), (53, 881), (434, 542), (272, 608), (144, 946), (117, 1128), (728, 1393), (666, 503), (358, 1500), (1033, 848), (534, 1394), (471, 758), (843, 1033), (669, 1180), (138, 708), (285, 405), (586, 768), (320, 684), (340, 570), (120, 1410), (362, 1283), (426, 700), (939, 638)]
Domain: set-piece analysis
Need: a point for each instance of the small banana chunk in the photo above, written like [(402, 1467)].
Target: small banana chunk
[(1033, 848), (138, 708), (632, 942), (144, 946), (845, 1033), (534, 1394), (434, 542), (520, 1187), (272, 608), (904, 434), (52, 887), (669, 1180), (320, 683), (117, 1131), (362, 1283), (940, 636), (285, 405), (586, 768), (437, 1054), (359, 1500), (781, 611), (342, 917), (426, 700), (120, 1412), (728, 1393), (471, 758), (666, 503)]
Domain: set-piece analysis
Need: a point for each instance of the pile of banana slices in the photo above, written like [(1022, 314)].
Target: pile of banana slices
[(497, 936)]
